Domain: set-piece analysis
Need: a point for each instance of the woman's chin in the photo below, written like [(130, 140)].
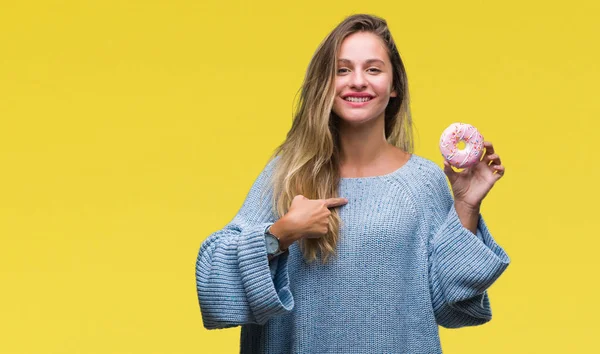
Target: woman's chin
[(355, 119)]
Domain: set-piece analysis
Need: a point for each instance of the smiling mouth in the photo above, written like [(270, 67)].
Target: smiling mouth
[(358, 99)]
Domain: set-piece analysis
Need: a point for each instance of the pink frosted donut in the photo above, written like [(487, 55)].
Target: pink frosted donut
[(468, 156)]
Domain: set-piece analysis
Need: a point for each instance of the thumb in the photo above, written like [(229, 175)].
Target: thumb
[(452, 175)]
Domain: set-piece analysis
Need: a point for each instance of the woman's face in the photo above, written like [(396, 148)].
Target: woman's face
[(363, 83)]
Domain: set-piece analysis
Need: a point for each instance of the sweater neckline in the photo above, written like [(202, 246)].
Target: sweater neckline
[(370, 178)]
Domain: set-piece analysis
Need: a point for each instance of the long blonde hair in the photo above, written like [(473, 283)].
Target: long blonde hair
[(308, 158)]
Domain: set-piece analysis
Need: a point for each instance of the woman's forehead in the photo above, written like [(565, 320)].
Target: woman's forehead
[(362, 46), (367, 61)]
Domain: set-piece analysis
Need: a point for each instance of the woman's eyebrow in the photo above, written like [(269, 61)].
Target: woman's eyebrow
[(368, 61)]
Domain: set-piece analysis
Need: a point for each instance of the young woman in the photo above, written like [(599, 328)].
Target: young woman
[(348, 242)]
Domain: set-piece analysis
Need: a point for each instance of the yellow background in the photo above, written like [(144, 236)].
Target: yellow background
[(131, 130)]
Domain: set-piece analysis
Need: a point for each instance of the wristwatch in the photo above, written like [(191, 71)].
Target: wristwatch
[(273, 247)]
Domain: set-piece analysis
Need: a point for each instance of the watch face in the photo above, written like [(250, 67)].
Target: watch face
[(272, 244)]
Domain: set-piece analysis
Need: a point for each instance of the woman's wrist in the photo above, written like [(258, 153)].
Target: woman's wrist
[(281, 229), (468, 215)]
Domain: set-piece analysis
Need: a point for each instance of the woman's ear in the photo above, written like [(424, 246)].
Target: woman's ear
[(393, 94)]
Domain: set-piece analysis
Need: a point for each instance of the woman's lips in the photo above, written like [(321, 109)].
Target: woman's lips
[(358, 104)]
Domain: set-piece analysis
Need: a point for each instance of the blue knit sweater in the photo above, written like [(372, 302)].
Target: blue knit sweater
[(404, 265)]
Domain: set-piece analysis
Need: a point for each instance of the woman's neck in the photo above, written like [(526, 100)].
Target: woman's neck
[(364, 151), (362, 145)]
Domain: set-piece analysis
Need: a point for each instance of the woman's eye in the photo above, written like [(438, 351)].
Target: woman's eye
[(344, 70)]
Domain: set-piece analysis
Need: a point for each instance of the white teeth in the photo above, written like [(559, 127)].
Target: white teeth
[(357, 99)]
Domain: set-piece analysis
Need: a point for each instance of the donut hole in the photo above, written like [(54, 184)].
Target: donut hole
[(461, 145)]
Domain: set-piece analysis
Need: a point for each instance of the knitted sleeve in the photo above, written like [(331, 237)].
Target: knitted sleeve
[(462, 265), (235, 283)]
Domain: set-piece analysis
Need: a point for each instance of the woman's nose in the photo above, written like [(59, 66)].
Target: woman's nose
[(358, 80)]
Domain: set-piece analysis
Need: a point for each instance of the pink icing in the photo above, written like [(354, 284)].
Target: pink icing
[(468, 156)]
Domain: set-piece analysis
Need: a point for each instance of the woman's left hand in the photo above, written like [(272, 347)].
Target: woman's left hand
[(472, 184)]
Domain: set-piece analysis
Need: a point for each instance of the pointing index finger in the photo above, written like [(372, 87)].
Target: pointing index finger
[(334, 202)]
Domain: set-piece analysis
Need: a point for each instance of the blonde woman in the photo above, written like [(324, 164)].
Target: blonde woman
[(348, 242)]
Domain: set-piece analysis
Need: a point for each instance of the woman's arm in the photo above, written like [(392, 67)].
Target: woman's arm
[(468, 215), (234, 280), (471, 185), (462, 264)]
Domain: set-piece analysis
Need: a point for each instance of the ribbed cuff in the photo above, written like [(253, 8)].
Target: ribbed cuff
[(467, 264), (266, 296)]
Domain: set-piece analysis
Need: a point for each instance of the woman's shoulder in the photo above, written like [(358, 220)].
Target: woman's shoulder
[(271, 164), (426, 167), (424, 176)]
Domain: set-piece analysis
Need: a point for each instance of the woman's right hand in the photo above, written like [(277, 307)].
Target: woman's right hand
[(306, 218)]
